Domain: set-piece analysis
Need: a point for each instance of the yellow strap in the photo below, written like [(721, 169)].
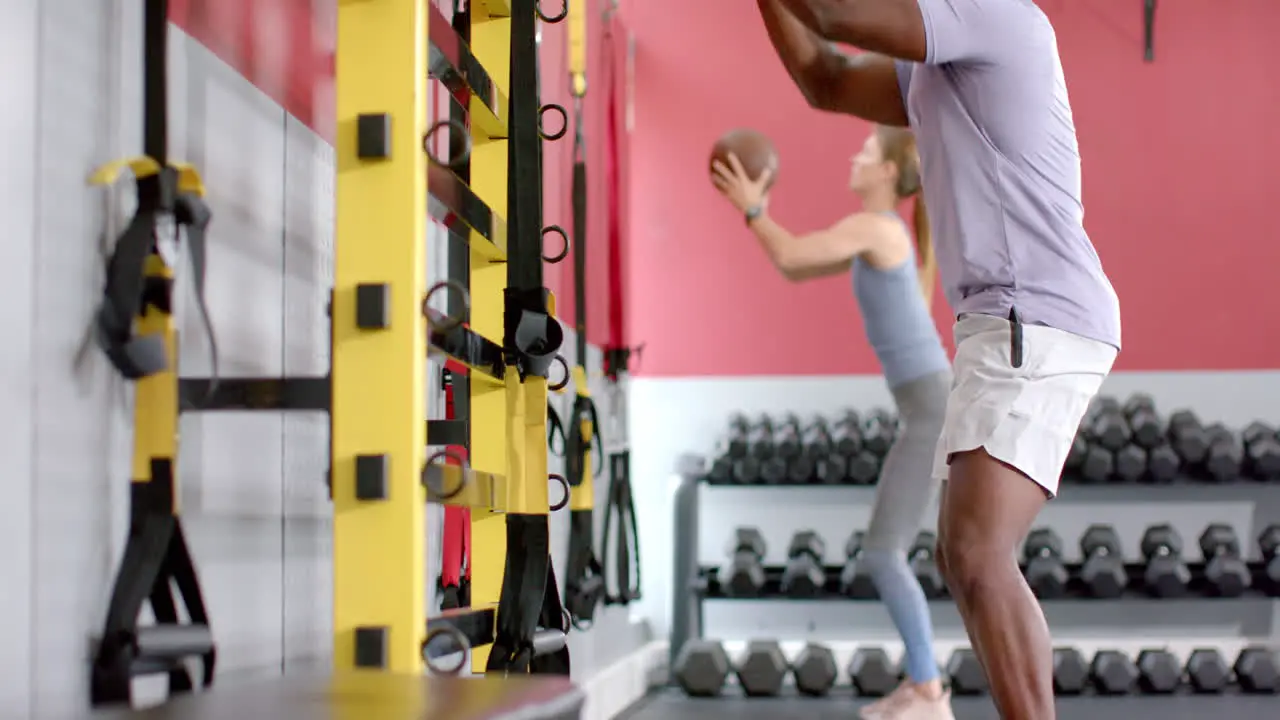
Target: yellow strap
[(578, 46), (142, 167)]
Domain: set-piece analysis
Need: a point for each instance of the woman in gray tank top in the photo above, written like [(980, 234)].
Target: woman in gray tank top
[(893, 280)]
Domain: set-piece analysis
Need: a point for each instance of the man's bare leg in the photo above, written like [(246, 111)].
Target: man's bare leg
[(987, 509)]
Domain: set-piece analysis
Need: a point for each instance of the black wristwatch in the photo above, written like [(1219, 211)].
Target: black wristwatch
[(754, 212)]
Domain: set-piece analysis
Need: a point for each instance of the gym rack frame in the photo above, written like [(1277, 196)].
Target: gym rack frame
[(500, 325)]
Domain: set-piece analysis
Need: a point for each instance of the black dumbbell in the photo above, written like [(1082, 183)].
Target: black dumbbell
[(1113, 673), (804, 576), (855, 581), (1226, 454), (1107, 425), (1262, 451), (1140, 412), (800, 470), (965, 673), (814, 670), (1163, 464), (1159, 672), (1103, 570), (1076, 455), (721, 470), (735, 442), (786, 437), (1269, 545), (702, 667), (1186, 435), (1070, 671), (1131, 464), (747, 470), (872, 673), (1257, 670), (1098, 466), (1165, 576), (1042, 563), (878, 431), (864, 468), (760, 443), (924, 564), (847, 433), (763, 669), (1207, 671), (816, 438), (1225, 569), (773, 470), (832, 469), (744, 575)]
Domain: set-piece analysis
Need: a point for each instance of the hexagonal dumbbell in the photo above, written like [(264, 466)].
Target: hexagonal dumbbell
[(1042, 563), (872, 673), (863, 468), (1166, 575), (762, 669), (1187, 436), (1103, 570), (1225, 570), (1098, 465), (1131, 464), (744, 574), (1207, 671), (702, 667), (924, 564), (1257, 670), (1163, 464), (1107, 425), (965, 673), (855, 581), (1225, 459), (1076, 455), (804, 576), (1269, 546), (1113, 673), (814, 670), (1070, 671), (1140, 412), (1262, 451), (1159, 672)]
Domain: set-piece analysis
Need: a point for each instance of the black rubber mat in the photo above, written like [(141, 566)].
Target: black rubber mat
[(672, 705)]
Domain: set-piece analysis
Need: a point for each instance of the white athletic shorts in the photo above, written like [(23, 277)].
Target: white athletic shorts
[(1024, 416)]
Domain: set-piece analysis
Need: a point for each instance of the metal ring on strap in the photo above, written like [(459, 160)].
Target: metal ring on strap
[(564, 121), (564, 12), (464, 472), (563, 383), (458, 638), (564, 484), (446, 322), (564, 250), (457, 127)]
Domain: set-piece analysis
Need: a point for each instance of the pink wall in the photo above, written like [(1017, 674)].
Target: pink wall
[(1179, 166)]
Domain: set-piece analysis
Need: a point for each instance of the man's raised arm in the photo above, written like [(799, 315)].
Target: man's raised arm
[(864, 85)]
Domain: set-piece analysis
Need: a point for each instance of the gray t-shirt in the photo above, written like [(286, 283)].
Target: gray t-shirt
[(1001, 168)]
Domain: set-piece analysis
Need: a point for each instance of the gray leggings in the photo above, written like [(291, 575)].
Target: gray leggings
[(906, 487)]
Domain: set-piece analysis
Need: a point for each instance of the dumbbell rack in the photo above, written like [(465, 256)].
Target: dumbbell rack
[(835, 511)]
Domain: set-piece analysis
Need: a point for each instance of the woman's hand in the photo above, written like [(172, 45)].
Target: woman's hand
[(737, 187)]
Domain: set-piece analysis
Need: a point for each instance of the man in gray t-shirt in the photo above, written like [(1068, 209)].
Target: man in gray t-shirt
[(1038, 323)]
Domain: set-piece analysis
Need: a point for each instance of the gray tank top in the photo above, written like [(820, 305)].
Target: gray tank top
[(898, 324)]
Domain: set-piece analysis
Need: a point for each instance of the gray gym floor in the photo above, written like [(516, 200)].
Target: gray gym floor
[(672, 705)]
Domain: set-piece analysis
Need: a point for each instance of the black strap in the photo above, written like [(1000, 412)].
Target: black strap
[(523, 594), (155, 554), (576, 447), (555, 427), (620, 511)]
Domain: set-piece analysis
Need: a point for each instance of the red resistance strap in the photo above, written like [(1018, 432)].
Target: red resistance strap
[(613, 184), (456, 540)]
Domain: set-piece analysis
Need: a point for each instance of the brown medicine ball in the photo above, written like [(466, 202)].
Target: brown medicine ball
[(754, 150)]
